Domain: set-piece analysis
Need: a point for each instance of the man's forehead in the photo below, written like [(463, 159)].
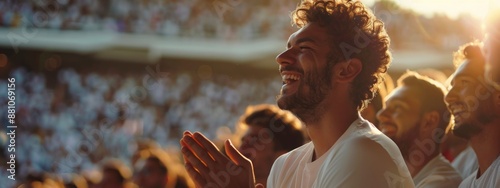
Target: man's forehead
[(296, 34), (401, 93), (310, 30), (468, 68)]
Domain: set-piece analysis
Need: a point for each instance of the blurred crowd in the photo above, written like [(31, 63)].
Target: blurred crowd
[(191, 18), (74, 120), (220, 19)]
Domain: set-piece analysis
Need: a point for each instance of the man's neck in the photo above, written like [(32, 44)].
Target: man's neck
[(325, 133), (486, 145)]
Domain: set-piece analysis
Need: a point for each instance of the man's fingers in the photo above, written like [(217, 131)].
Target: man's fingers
[(235, 155), (195, 176), (188, 133), (193, 161), (210, 147), (199, 151)]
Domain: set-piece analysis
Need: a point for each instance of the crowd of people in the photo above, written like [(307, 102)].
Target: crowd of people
[(219, 19), (192, 18), (76, 120)]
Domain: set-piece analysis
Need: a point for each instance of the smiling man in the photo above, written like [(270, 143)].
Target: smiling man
[(476, 108), (330, 69), (416, 118)]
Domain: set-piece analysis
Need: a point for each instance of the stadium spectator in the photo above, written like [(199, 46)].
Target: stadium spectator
[(115, 174), (269, 132), (153, 170), (416, 119), (325, 86), (476, 121)]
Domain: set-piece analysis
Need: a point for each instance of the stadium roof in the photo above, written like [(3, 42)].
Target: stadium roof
[(151, 48)]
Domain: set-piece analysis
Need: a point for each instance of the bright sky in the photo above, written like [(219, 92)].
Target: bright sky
[(453, 8)]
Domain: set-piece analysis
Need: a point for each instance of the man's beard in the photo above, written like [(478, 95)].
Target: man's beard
[(405, 141), (473, 125), (306, 105), (466, 130), (470, 128)]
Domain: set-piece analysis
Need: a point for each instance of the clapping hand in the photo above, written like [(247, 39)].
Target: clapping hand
[(209, 168)]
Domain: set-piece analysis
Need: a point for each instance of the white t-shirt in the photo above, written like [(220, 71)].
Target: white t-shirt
[(465, 162), (361, 157), (489, 179), (437, 173)]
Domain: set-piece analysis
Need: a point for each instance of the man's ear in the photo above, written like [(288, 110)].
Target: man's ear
[(430, 122), (346, 71)]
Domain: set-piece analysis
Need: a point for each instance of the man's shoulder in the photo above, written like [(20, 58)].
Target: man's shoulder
[(366, 138), (367, 146), (297, 152), (469, 181), (368, 154), (490, 178), (438, 173), (289, 161)]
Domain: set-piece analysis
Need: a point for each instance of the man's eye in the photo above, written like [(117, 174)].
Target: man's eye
[(304, 48)]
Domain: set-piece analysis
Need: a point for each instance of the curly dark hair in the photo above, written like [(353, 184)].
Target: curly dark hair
[(347, 22)]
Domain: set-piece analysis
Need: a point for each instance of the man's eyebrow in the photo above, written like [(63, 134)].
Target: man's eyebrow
[(302, 40), (400, 100)]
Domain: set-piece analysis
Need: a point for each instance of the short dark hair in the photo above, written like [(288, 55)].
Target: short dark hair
[(158, 156), (346, 20), (468, 51), (286, 128), (119, 168), (430, 93), (165, 163)]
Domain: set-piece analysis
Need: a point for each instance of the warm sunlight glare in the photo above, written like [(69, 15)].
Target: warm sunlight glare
[(452, 8)]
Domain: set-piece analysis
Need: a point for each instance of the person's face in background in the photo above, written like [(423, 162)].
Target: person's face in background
[(149, 174), (469, 100), (110, 179), (400, 118)]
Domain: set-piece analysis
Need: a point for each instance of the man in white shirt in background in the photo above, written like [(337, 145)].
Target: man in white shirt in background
[(330, 69), (466, 162), (416, 118), (476, 108)]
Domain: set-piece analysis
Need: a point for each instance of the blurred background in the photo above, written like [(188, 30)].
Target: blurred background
[(94, 78)]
